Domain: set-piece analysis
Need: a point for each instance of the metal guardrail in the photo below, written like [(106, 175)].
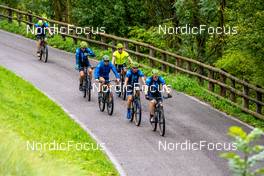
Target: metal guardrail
[(239, 93)]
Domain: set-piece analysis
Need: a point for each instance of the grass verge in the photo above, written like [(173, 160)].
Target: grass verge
[(179, 82), (27, 116)]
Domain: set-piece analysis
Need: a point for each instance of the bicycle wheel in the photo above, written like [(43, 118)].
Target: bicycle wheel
[(121, 87), (101, 103), (137, 112), (133, 111), (110, 104), (85, 88), (161, 121), (89, 89), (46, 54), (124, 94), (41, 53), (154, 124)]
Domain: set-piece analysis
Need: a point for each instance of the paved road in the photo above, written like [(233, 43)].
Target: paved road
[(137, 149)]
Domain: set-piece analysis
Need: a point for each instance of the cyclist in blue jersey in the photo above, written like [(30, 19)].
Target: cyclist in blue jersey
[(40, 31), (155, 85), (132, 81), (82, 61), (102, 71)]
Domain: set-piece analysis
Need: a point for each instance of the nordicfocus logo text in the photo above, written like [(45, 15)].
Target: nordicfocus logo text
[(196, 146)]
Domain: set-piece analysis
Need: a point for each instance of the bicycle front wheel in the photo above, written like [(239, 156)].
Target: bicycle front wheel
[(110, 104), (161, 121), (154, 123), (45, 56), (101, 103), (89, 89), (137, 112)]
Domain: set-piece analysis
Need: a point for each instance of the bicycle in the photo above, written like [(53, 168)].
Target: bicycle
[(43, 49), (122, 91), (159, 117), (136, 106), (106, 98), (87, 84)]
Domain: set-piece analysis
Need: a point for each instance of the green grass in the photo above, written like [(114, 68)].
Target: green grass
[(29, 115), (179, 82)]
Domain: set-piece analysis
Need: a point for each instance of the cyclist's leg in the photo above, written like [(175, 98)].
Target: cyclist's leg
[(152, 104), (102, 81), (90, 72), (129, 101), (81, 71)]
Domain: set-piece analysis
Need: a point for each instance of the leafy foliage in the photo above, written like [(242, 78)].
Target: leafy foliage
[(252, 154)]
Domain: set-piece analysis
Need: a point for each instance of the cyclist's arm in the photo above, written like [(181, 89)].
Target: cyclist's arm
[(163, 83), (142, 77), (113, 60), (77, 59), (147, 86), (96, 72), (129, 59), (113, 68), (126, 81), (90, 52)]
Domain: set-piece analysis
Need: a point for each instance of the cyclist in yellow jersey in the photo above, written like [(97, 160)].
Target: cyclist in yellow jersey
[(120, 59)]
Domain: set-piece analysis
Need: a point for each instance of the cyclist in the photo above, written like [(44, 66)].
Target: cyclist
[(132, 81), (153, 90), (82, 61), (120, 59), (40, 31), (102, 71)]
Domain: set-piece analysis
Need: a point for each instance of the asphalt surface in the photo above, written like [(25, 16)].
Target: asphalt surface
[(139, 150)]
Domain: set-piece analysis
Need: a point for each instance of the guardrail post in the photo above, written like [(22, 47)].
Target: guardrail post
[(63, 31), (201, 72), (75, 40), (10, 15), (211, 85), (245, 100), (152, 54), (103, 40), (189, 67), (222, 89), (259, 98), (164, 58), (178, 64), (19, 16), (126, 45), (232, 94), (137, 50), (114, 46), (30, 19)]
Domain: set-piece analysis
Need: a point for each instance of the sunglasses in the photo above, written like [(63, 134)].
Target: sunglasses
[(106, 61), (120, 48), (135, 67)]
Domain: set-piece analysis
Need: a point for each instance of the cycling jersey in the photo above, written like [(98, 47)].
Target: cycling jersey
[(154, 86), (103, 70), (120, 58), (82, 57), (133, 80), (41, 30), (133, 77)]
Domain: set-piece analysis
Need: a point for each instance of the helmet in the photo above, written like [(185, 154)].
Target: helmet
[(155, 72), (40, 22), (105, 58), (119, 45), (83, 44), (134, 64)]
